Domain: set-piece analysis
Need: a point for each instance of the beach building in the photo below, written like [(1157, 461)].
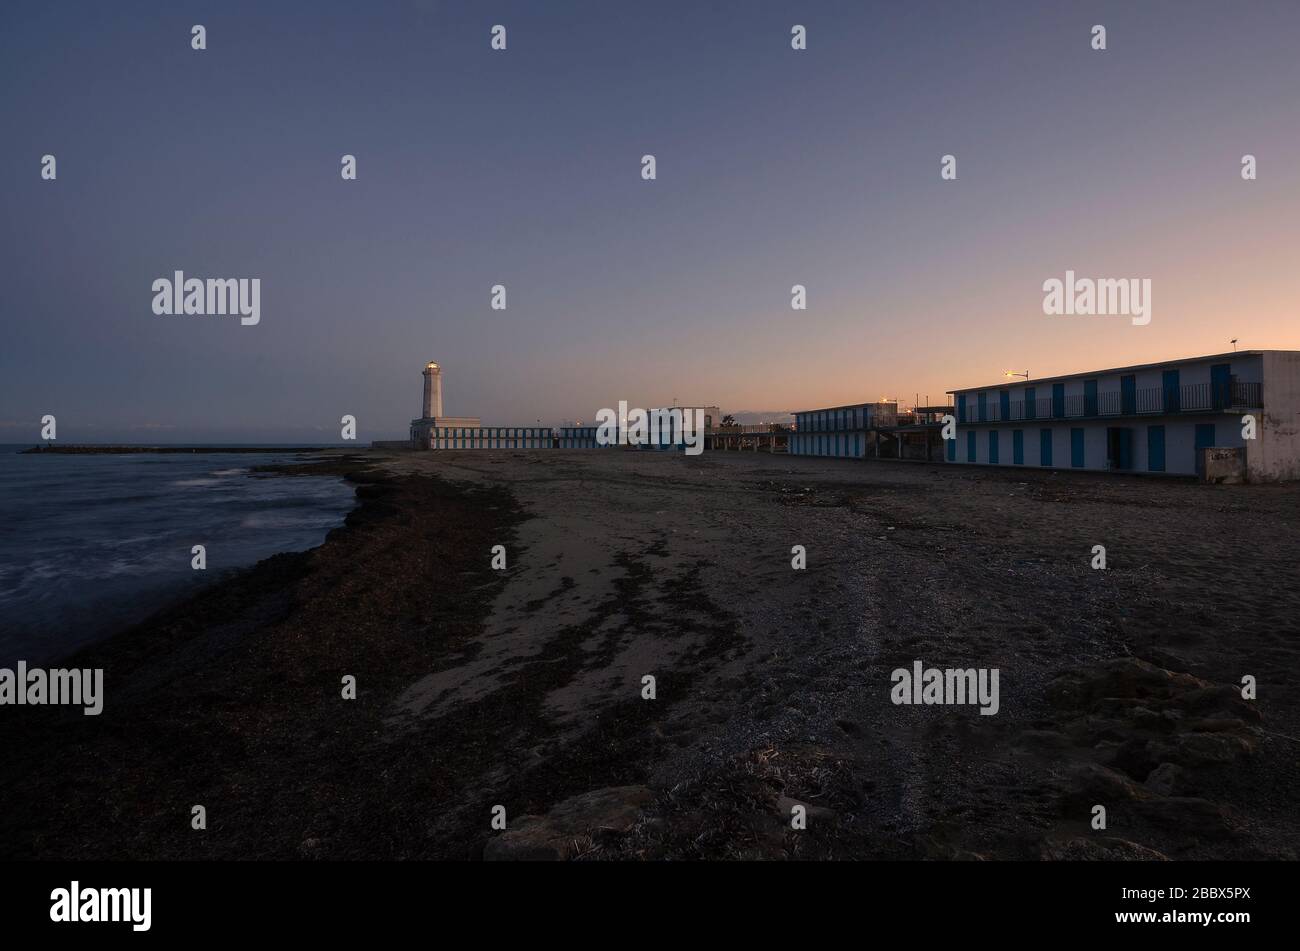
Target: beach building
[(918, 435), (756, 437), (842, 431), (665, 428), (579, 437), (1174, 417)]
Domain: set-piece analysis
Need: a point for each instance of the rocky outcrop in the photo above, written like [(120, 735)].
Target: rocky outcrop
[(570, 826)]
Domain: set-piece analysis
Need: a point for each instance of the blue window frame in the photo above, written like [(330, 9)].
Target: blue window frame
[(961, 408), (1045, 447), (1076, 448), (952, 449), (1058, 400), (970, 446), (1031, 407), (993, 447), (983, 402), (1018, 447), (1004, 404)]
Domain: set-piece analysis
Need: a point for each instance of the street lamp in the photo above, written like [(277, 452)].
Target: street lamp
[(1013, 373)]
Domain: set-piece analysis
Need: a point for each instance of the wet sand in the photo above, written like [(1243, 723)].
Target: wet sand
[(523, 687)]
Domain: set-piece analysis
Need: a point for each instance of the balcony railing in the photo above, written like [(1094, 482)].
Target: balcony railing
[(1156, 400)]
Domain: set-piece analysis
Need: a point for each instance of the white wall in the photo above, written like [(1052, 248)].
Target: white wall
[(1275, 455), (1180, 441)]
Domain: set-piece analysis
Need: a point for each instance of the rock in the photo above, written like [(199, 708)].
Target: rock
[(1195, 749), (1222, 699), (1090, 783), (1167, 779), (1218, 725), (1125, 678), (1193, 817), (552, 837), (1097, 849), (1042, 740)]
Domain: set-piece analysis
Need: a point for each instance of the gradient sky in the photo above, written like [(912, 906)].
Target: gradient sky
[(476, 167)]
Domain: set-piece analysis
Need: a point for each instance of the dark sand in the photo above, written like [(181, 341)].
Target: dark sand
[(1118, 687)]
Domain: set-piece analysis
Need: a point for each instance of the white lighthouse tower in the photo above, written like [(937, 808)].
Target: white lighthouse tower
[(432, 391)]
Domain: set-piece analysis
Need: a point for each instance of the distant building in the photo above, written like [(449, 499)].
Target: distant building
[(918, 435), (1156, 417), (665, 427), (435, 431), (491, 437), (578, 437), (842, 431)]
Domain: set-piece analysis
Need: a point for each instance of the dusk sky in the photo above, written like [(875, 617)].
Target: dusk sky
[(475, 167)]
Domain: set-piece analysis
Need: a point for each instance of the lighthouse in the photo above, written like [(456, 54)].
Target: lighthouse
[(431, 419), (432, 391)]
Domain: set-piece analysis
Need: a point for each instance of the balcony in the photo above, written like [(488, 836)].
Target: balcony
[(1153, 401)]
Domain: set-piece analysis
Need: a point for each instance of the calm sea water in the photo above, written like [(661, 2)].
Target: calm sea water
[(89, 544)]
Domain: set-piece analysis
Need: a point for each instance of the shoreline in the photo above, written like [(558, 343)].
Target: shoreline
[(105, 615), (242, 669)]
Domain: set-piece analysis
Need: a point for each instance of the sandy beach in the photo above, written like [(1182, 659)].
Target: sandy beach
[(524, 687)]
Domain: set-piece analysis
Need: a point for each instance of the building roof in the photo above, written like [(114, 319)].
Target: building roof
[(1131, 369), (827, 409)]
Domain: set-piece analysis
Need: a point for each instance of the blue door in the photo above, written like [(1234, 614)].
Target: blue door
[(1119, 447), (983, 399), (1221, 385), (1076, 448), (1004, 404), (1204, 440), (1156, 448), (993, 447), (961, 408), (1018, 447), (1058, 400), (1089, 397), (970, 446), (1030, 406), (1045, 447), (952, 449), (1169, 384), (1128, 395)]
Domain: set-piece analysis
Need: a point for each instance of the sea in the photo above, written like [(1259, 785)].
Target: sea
[(90, 544)]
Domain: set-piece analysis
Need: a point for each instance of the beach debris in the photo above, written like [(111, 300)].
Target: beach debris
[(567, 830)]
